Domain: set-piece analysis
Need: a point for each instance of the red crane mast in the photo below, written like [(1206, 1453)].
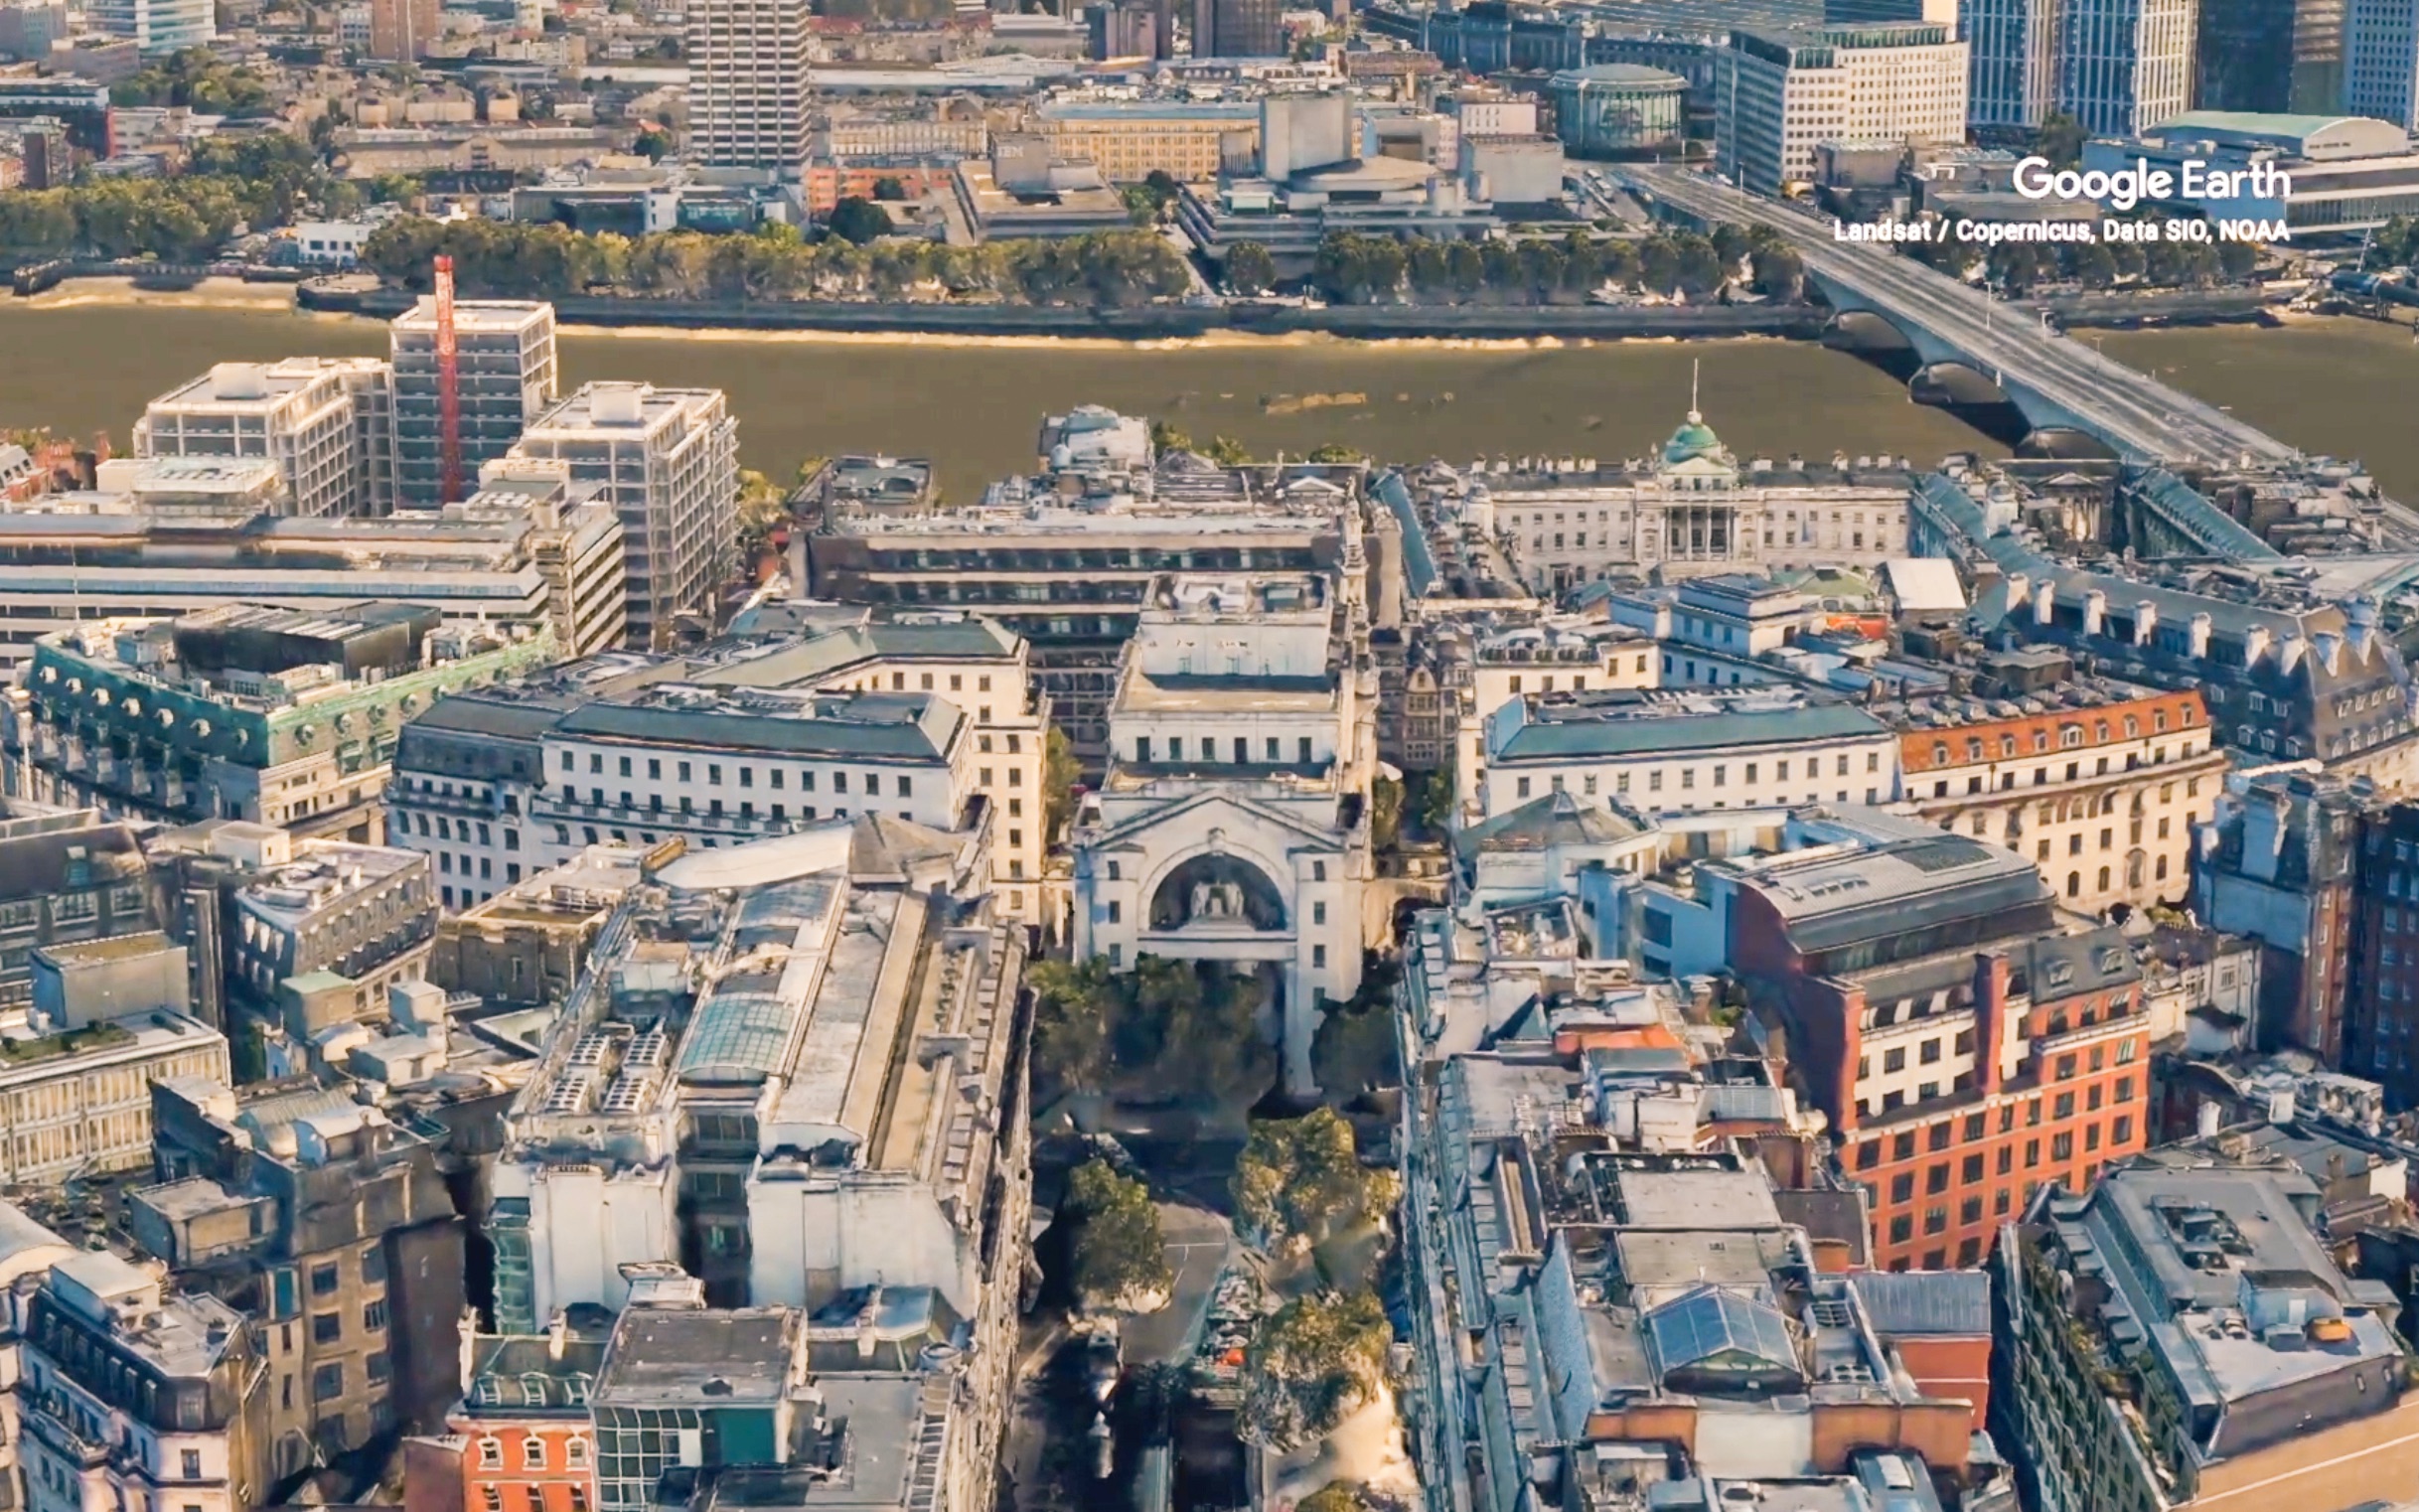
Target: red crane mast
[(449, 384)]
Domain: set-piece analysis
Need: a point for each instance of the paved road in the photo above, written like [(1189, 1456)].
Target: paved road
[(2142, 417), (1198, 1244)]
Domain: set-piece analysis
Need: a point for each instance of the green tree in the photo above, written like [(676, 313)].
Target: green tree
[(2236, 259), (1385, 812), (1437, 799), (1060, 772), (1658, 264), (1731, 242), (858, 221), (652, 143), (1778, 271), (2060, 138), (1337, 1496), (2093, 264), (1334, 451), (1299, 1179), (1165, 436), (1226, 451), (1696, 267), (1075, 1008), (1250, 269), (764, 507), (888, 187), (1120, 1256), (1310, 1365)]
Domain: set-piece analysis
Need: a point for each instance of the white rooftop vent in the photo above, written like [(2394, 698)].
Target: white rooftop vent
[(239, 380), (618, 403)]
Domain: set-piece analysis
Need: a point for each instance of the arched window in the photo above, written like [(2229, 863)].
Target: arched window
[(2103, 887), (2074, 884)]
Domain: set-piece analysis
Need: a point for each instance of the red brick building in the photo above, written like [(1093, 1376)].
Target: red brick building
[(520, 1439), (1965, 1045)]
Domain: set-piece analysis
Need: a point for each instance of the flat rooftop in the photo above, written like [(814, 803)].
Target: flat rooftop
[(681, 1357)]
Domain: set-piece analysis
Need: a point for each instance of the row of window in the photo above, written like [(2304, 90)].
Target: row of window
[(1973, 1171), (533, 1453), (775, 777), (1938, 1137), (1271, 751), (1720, 773)]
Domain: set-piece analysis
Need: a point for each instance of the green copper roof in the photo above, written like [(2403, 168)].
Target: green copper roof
[(1694, 438)]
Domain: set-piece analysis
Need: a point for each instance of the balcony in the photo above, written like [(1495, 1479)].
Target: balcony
[(46, 1420)]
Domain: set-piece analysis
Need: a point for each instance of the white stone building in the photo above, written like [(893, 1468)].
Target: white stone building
[(1691, 510), (751, 740), (1233, 822), (667, 459), (1657, 752), (1778, 93), (327, 422)]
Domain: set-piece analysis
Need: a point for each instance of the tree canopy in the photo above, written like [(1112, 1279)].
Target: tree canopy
[(860, 220), (1121, 1257), (514, 259), (1310, 1365), (1299, 1180)]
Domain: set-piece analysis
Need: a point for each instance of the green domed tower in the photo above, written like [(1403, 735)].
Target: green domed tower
[(1692, 440)]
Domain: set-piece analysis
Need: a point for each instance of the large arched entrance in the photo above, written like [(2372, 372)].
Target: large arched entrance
[(1217, 892)]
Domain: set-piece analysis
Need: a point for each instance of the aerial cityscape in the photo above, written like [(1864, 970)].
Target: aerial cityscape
[(1065, 755)]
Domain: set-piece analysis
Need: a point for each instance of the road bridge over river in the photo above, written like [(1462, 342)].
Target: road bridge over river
[(1971, 349)]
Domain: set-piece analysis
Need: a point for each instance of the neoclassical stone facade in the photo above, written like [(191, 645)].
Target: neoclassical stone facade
[(1233, 824)]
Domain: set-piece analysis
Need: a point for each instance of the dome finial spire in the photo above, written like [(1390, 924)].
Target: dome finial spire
[(1696, 367)]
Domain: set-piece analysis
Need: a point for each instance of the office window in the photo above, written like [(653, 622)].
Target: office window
[(373, 1315), (326, 1328), (323, 1281), (328, 1381), (189, 1461)]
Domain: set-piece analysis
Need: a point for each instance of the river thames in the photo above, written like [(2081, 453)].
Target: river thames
[(975, 407)]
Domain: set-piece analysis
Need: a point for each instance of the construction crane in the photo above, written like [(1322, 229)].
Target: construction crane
[(449, 386)]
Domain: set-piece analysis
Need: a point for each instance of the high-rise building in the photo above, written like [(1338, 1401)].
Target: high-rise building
[(1238, 28), (2012, 83), (667, 461), (2126, 65), (402, 30), (2381, 60), (747, 89), (327, 422), (507, 372), (1779, 93), (2271, 57), (157, 26)]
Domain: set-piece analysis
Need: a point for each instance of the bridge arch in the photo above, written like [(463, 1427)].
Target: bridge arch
[(1956, 385), (2065, 441), (1869, 335)]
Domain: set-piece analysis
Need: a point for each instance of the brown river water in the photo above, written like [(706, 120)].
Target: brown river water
[(975, 407)]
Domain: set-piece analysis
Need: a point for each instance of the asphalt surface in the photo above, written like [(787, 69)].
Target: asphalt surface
[(1198, 1244)]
